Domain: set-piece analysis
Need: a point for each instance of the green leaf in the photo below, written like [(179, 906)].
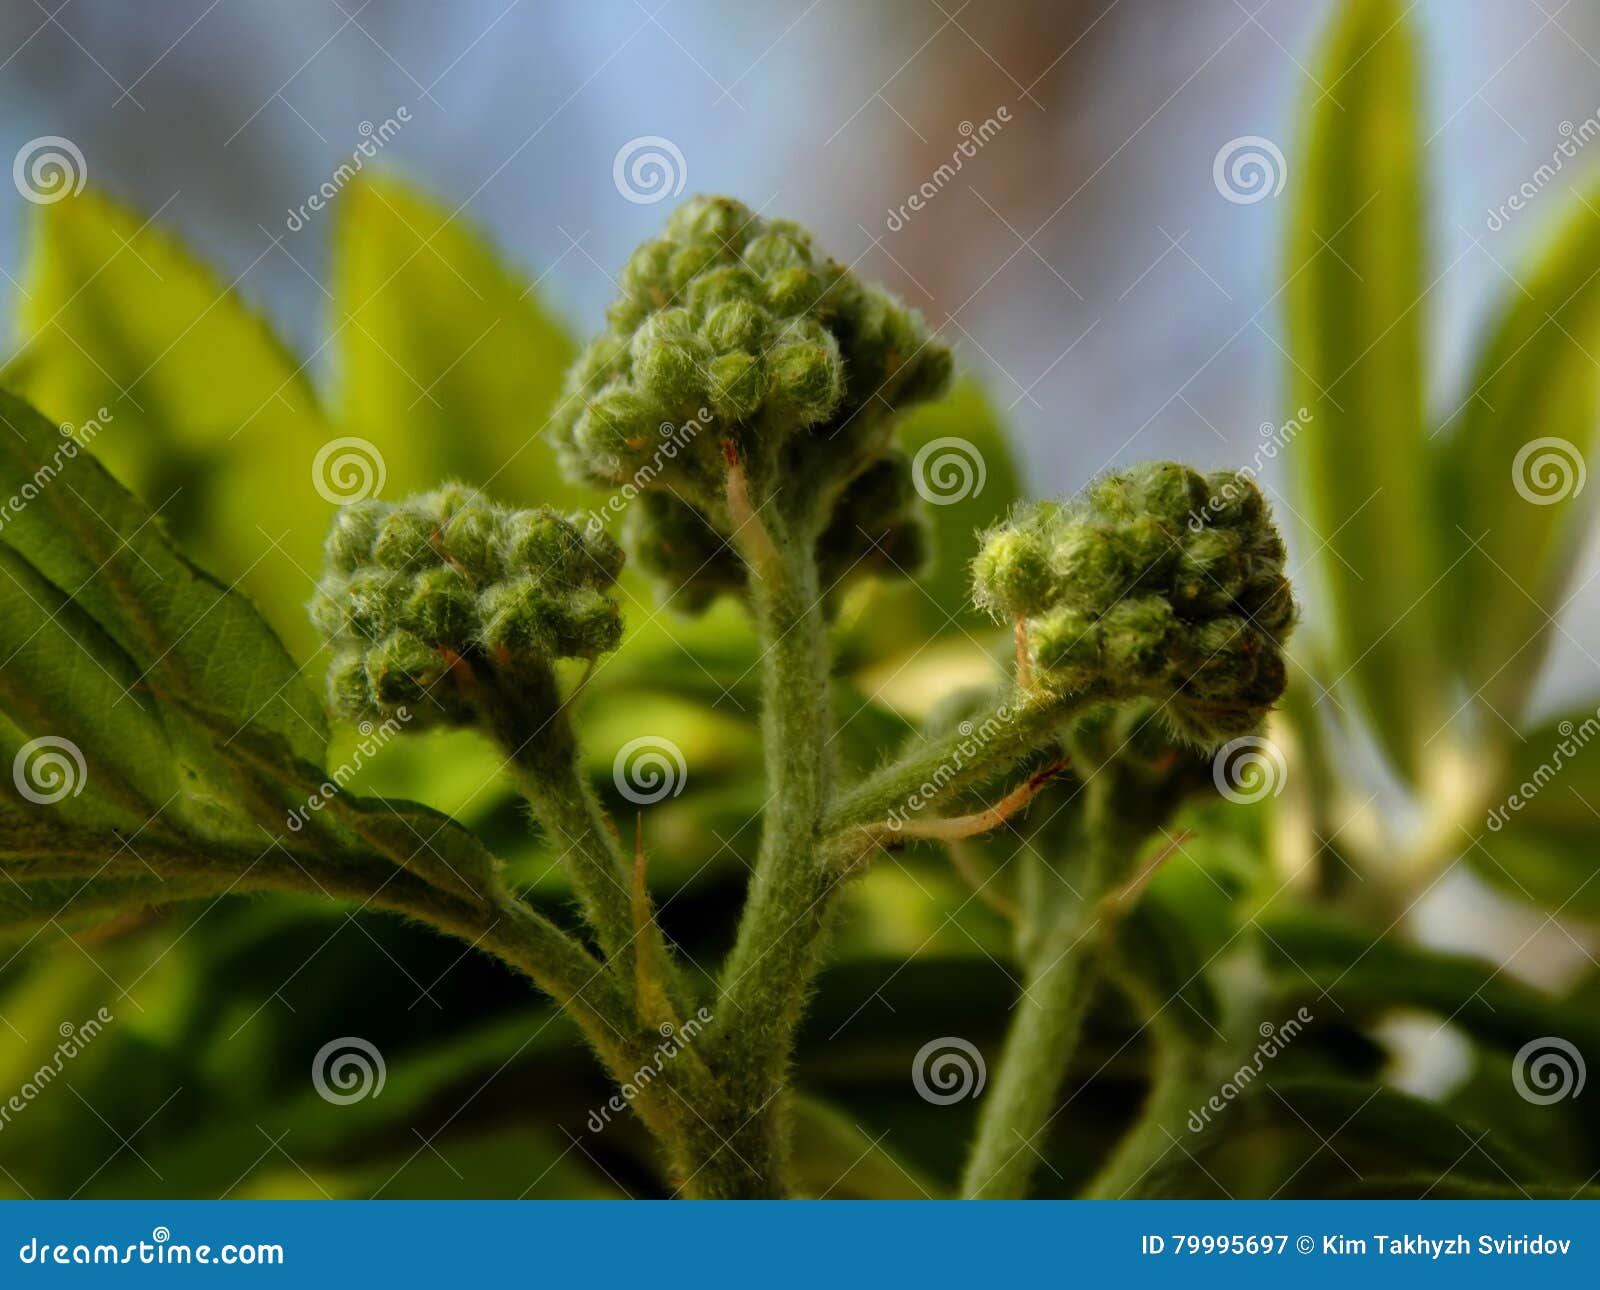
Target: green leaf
[(205, 413), (1313, 1138), (1347, 964), (1537, 841), (836, 1158), (1515, 515), (968, 482), (1355, 301), (159, 735), (446, 359), (187, 638)]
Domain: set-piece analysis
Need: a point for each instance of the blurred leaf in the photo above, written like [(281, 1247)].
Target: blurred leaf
[(447, 361), (207, 416), (982, 482), (1536, 378), (835, 1158), (183, 637), (1346, 963), (156, 727), (1314, 1138), (1355, 301), (1538, 840)]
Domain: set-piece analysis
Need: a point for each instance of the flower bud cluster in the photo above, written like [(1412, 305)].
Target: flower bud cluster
[(419, 598), (793, 367), (1120, 588)]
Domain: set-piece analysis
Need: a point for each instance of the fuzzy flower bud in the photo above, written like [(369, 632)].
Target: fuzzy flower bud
[(417, 598), (1158, 582), (779, 357)]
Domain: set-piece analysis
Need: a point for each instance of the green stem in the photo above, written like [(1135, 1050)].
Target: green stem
[(764, 982), (1039, 1045), (973, 754), (533, 726), (1159, 1130)]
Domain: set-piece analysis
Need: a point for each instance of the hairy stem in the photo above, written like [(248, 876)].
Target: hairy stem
[(1175, 1088), (1067, 922), (764, 983), (1039, 1045), (973, 754)]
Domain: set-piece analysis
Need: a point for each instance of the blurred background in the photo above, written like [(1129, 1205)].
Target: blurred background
[(1115, 303)]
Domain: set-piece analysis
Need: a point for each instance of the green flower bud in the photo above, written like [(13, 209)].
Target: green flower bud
[(456, 596), (439, 609), (1143, 588), (355, 528), (1210, 572), (736, 325), (1066, 644), (405, 541), (472, 540), (797, 363), (401, 669), (1014, 574), (349, 695)]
